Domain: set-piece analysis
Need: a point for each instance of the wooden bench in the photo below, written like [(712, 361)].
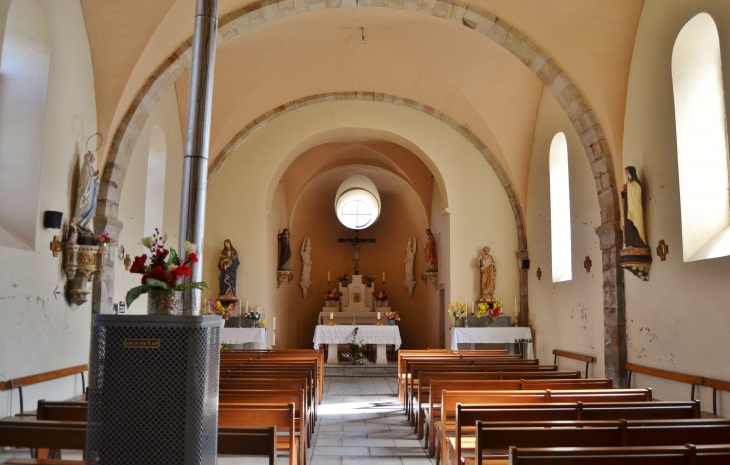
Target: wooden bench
[(494, 439), (572, 355), (449, 399), (467, 415), (248, 441), (688, 454), (19, 383), (280, 416), (671, 375)]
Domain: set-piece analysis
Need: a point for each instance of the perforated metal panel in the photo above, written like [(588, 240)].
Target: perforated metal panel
[(153, 390)]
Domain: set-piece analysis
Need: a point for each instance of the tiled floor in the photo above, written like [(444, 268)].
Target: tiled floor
[(360, 422)]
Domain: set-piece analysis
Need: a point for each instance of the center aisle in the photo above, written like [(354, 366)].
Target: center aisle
[(361, 422)]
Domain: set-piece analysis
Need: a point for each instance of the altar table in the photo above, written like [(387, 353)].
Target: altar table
[(244, 335), (368, 334), (492, 335)]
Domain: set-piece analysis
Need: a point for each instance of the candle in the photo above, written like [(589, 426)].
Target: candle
[(247, 306), (328, 276), (332, 316), (472, 308), (378, 317), (383, 276), (515, 305), (273, 341), (274, 324)]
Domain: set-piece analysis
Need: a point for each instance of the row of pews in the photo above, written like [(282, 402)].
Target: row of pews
[(488, 407), (267, 404)]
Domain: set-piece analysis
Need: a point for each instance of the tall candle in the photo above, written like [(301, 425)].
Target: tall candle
[(274, 324), (515, 305), (247, 306), (328, 276), (472, 308), (378, 315), (332, 316), (273, 341), (383, 276)]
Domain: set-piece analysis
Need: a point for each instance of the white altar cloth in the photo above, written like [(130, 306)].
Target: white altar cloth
[(244, 335), (368, 334), (492, 335)]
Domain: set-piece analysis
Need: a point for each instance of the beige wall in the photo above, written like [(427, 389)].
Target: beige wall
[(134, 196), (679, 319), (38, 332), (567, 315), (241, 195)]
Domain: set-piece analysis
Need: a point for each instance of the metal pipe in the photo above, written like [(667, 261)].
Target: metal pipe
[(197, 142)]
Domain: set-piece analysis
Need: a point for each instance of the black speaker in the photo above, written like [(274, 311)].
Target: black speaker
[(52, 219), (526, 264)]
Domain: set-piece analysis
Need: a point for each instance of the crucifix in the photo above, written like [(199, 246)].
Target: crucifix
[(356, 244)]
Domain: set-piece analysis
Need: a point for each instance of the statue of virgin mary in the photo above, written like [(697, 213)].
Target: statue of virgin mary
[(87, 193)]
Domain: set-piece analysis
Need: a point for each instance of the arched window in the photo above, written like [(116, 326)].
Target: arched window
[(560, 209), (155, 195), (24, 67), (702, 152)]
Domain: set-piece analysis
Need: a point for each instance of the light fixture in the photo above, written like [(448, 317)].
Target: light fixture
[(362, 31)]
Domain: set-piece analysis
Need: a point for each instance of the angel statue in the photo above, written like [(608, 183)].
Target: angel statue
[(410, 258), (306, 252)]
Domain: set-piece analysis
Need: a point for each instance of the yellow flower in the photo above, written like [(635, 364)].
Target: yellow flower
[(190, 248), (262, 323), (451, 307), (147, 242)]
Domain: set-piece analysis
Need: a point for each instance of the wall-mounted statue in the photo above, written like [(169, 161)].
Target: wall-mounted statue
[(410, 281), (488, 274), (86, 196), (228, 265), (636, 255), (284, 251), (431, 258), (306, 254)]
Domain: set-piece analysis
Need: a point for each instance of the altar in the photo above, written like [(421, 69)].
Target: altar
[(493, 335), (368, 334), (257, 336)]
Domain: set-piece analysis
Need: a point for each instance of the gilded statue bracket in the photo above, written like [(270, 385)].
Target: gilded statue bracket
[(82, 263), (431, 277), (281, 276)]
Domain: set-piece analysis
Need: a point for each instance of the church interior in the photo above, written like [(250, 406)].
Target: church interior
[(563, 161)]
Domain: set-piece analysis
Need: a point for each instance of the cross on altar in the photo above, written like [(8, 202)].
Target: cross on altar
[(356, 244)]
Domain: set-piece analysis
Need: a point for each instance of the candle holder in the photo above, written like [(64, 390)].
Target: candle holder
[(354, 322), (379, 322), (331, 322)]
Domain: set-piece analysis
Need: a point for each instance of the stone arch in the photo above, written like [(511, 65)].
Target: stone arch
[(480, 21)]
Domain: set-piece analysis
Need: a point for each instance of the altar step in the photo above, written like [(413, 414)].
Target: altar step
[(350, 370)]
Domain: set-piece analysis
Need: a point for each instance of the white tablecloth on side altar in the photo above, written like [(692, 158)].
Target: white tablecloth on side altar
[(491, 336), (368, 334), (243, 336)]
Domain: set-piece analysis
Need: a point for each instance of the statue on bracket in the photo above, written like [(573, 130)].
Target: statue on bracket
[(228, 266), (86, 195), (306, 254), (283, 270), (431, 274), (636, 255), (410, 281), (488, 275)]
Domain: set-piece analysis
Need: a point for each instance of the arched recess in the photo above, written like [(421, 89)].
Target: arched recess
[(155, 192), (525, 49), (24, 69)]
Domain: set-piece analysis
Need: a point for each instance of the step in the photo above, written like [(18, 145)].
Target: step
[(350, 370)]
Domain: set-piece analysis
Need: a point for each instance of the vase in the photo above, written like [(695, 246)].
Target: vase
[(391, 322), (491, 322), (457, 322), (163, 302), (223, 323)]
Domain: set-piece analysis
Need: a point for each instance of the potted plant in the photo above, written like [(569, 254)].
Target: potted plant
[(331, 298), (381, 299), (161, 275), (343, 279), (225, 312), (369, 279), (103, 239), (355, 346)]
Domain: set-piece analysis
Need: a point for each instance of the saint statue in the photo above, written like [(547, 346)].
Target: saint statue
[(284, 250), (488, 274), (86, 194), (431, 260), (306, 253), (410, 258), (633, 214), (228, 265)]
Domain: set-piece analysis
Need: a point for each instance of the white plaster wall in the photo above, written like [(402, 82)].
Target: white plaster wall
[(39, 333), (133, 201), (567, 315), (679, 319), (480, 211)]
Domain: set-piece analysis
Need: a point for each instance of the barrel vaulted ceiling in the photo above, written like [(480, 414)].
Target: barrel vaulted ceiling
[(412, 55)]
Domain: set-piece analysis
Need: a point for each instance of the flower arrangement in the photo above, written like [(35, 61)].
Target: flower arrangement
[(332, 295), (391, 316), (224, 346), (369, 278), (254, 314), (457, 310), (165, 268), (490, 310), (343, 278), (380, 296), (103, 239), (356, 348), (225, 312)]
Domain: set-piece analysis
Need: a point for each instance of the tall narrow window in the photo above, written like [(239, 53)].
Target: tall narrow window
[(699, 110), (560, 209), (24, 67), (155, 195)]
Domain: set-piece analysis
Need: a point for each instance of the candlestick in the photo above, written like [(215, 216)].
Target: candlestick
[(273, 341), (274, 328), (328, 276), (332, 316), (383, 276), (515, 305)]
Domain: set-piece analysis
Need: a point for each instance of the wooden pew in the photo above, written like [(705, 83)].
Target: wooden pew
[(280, 416), (248, 441), (468, 415), (688, 454), (494, 439), (449, 399)]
